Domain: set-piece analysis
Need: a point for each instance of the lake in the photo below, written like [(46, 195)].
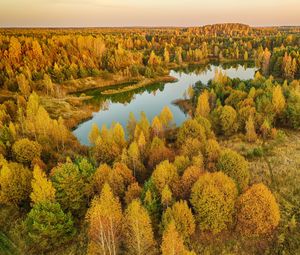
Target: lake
[(152, 99)]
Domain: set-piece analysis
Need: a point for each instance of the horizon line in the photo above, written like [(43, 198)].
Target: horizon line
[(144, 26)]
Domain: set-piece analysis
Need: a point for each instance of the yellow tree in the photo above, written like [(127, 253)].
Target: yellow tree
[(63, 132), (266, 61), (165, 174), (138, 233), (158, 152), (181, 162), (105, 223), (192, 147), (118, 178), (257, 211), (15, 183), (106, 150), (212, 152), (191, 129), (25, 150), (94, 134), (265, 128), (125, 173), (48, 84), (141, 142), (189, 177), (166, 196), (220, 77), (12, 130), (228, 120), (213, 198), (166, 56), (203, 108), (156, 126), (37, 50), (100, 177), (289, 66), (278, 99), (134, 191), (178, 55), (172, 242), (118, 135), (42, 189), (183, 218), (15, 49), (43, 123), (153, 59), (134, 160), (131, 124), (23, 85), (31, 112), (143, 126), (235, 166), (98, 47), (166, 117), (251, 135), (190, 92)]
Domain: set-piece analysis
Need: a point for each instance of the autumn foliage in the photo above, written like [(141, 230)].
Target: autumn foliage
[(213, 198), (152, 187), (138, 233), (105, 221), (258, 212)]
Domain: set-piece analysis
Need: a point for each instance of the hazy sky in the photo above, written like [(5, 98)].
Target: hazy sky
[(82, 13)]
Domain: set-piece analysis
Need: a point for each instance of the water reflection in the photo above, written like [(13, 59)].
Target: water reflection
[(151, 99)]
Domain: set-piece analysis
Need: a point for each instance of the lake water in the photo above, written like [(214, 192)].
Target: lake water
[(152, 99)]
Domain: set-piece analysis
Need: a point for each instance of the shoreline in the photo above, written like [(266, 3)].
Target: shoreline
[(73, 108), (143, 83), (184, 104), (78, 113)]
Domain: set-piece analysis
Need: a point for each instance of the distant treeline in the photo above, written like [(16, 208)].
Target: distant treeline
[(33, 58)]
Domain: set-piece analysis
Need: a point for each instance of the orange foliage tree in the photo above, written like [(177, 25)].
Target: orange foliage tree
[(257, 211)]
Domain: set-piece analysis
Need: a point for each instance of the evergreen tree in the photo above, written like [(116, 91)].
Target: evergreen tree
[(48, 226), (70, 187)]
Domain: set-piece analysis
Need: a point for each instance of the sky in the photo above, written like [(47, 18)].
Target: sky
[(110, 13)]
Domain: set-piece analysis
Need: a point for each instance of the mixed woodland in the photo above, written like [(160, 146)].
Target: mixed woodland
[(224, 182)]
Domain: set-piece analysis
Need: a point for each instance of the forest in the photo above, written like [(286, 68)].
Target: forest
[(226, 181)]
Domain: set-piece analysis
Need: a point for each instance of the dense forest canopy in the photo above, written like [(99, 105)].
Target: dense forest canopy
[(64, 54), (224, 182)]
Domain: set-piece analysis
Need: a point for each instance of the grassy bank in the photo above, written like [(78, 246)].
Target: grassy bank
[(140, 84), (84, 84), (72, 109)]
